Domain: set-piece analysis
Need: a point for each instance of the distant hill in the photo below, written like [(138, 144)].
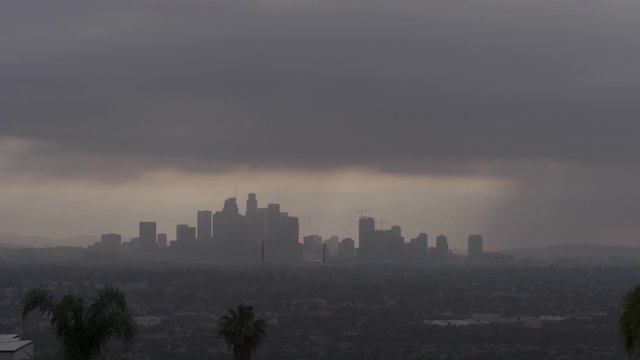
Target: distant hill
[(15, 240), (583, 252)]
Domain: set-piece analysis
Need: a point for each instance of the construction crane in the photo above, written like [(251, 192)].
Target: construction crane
[(382, 224), (361, 212)]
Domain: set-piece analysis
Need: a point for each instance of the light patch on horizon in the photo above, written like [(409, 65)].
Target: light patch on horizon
[(326, 202)]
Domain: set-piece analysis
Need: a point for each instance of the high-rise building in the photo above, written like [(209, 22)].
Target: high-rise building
[(442, 248), (111, 242), (273, 223), (366, 243), (418, 248), (147, 235), (228, 232), (185, 237), (185, 233), (289, 235), (346, 248), (475, 246), (262, 231), (252, 205), (204, 226), (230, 207), (389, 244), (312, 247), (332, 245), (396, 230), (162, 240)]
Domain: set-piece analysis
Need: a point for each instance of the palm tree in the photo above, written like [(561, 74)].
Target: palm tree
[(629, 322), (242, 332), (84, 331)]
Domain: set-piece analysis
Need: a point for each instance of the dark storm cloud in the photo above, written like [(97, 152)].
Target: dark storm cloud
[(408, 86), (542, 93)]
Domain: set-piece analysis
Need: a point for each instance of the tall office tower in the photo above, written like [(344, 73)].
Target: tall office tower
[(312, 247), (273, 223), (191, 234), (227, 229), (289, 236), (147, 235), (182, 233), (442, 247), (418, 248), (230, 207), (475, 246), (252, 205), (111, 242), (204, 225), (395, 248), (396, 230), (254, 224), (332, 245), (185, 237), (162, 240), (366, 243), (346, 248)]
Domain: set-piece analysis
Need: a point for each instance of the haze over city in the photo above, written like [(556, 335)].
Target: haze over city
[(515, 120)]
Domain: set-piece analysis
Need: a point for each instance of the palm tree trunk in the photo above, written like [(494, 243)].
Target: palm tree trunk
[(237, 352)]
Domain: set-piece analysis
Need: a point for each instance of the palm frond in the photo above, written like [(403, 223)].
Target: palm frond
[(38, 299), (629, 322), (109, 319), (241, 331), (84, 332)]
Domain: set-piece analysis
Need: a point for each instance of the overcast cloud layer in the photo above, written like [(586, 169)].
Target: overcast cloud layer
[(538, 93)]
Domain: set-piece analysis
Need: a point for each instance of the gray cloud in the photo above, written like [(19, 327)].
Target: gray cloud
[(398, 87)]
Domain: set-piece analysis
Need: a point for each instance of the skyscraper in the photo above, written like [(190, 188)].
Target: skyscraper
[(182, 233), (230, 207), (204, 225), (147, 235), (418, 248), (346, 248), (273, 222), (332, 245), (162, 240), (312, 247), (442, 248), (252, 205), (227, 230), (111, 242), (475, 246), (366, 244)]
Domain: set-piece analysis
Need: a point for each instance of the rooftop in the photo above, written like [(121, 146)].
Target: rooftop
[(11, 343)]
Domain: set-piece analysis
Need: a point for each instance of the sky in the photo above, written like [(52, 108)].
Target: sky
[(516, 120)]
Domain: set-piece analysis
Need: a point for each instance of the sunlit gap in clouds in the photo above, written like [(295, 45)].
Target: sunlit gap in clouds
[(325, 201)]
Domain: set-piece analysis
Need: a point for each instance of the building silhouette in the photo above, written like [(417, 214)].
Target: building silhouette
[(312, 248), (389, 244), (252, 205), (161, 240), (147, 236), (109, 244), (442, 248), (418, 248), (204, 226), (332, 246), (260, 232), (367, 249), (346, 248)]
